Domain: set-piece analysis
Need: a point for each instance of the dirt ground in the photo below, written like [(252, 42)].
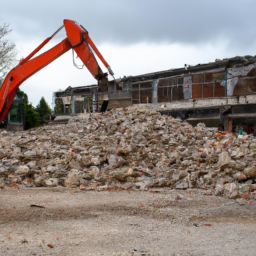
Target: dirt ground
[(156, 222)]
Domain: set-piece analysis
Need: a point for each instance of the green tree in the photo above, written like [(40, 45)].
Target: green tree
[(20, 93), (43, 109), (32, 117), (59, 106), (7, 52)]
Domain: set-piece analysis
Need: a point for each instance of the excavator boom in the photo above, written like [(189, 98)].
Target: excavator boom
[(77, 39)]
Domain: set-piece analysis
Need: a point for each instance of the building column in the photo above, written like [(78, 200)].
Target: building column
[(95, 100), (73, 104), (139, 101), (225, 123), (154, 91), (229, 125)]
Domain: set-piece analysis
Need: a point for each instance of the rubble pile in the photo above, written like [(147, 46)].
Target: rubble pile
[(129, 148)]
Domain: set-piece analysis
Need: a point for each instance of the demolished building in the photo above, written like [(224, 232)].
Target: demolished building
[(220, 93), (78, 99)]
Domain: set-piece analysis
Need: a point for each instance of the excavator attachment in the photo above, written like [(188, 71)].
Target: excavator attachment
[(77, 39)]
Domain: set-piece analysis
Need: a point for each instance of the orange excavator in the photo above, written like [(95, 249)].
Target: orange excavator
[(77, 39)]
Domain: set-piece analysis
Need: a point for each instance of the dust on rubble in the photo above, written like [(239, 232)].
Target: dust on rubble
[(130, 149)]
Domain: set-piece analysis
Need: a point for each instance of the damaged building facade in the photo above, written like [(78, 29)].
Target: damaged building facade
[(220, 93), (79, 99)]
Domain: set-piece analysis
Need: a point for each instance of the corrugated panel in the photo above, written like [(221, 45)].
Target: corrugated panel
[(197, 88), (219, 90), (208, 77), (198, 78), (208, 90), (196, 91)]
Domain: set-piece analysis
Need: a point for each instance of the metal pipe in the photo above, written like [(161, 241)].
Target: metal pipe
[(40, 46), (91, 43)]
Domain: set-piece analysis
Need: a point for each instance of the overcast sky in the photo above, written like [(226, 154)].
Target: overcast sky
[(134, 36)]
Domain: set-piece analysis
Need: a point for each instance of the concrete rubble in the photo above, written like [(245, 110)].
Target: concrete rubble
[(130, 148)]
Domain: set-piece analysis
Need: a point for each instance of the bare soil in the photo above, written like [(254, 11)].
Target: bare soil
[(156, 222)]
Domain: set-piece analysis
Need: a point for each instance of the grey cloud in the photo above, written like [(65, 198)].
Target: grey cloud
[(135, 21)]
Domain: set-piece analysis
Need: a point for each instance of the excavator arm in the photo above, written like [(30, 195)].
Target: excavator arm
[(77, 39)]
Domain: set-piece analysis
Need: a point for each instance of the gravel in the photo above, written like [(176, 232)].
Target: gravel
[(155, 222)]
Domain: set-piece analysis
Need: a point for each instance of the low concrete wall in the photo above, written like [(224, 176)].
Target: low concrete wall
[(202, 103), (119, 103), (15, 127)]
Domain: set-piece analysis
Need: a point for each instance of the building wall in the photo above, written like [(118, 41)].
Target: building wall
[(191, 93), (197, 87), (204, 85)]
